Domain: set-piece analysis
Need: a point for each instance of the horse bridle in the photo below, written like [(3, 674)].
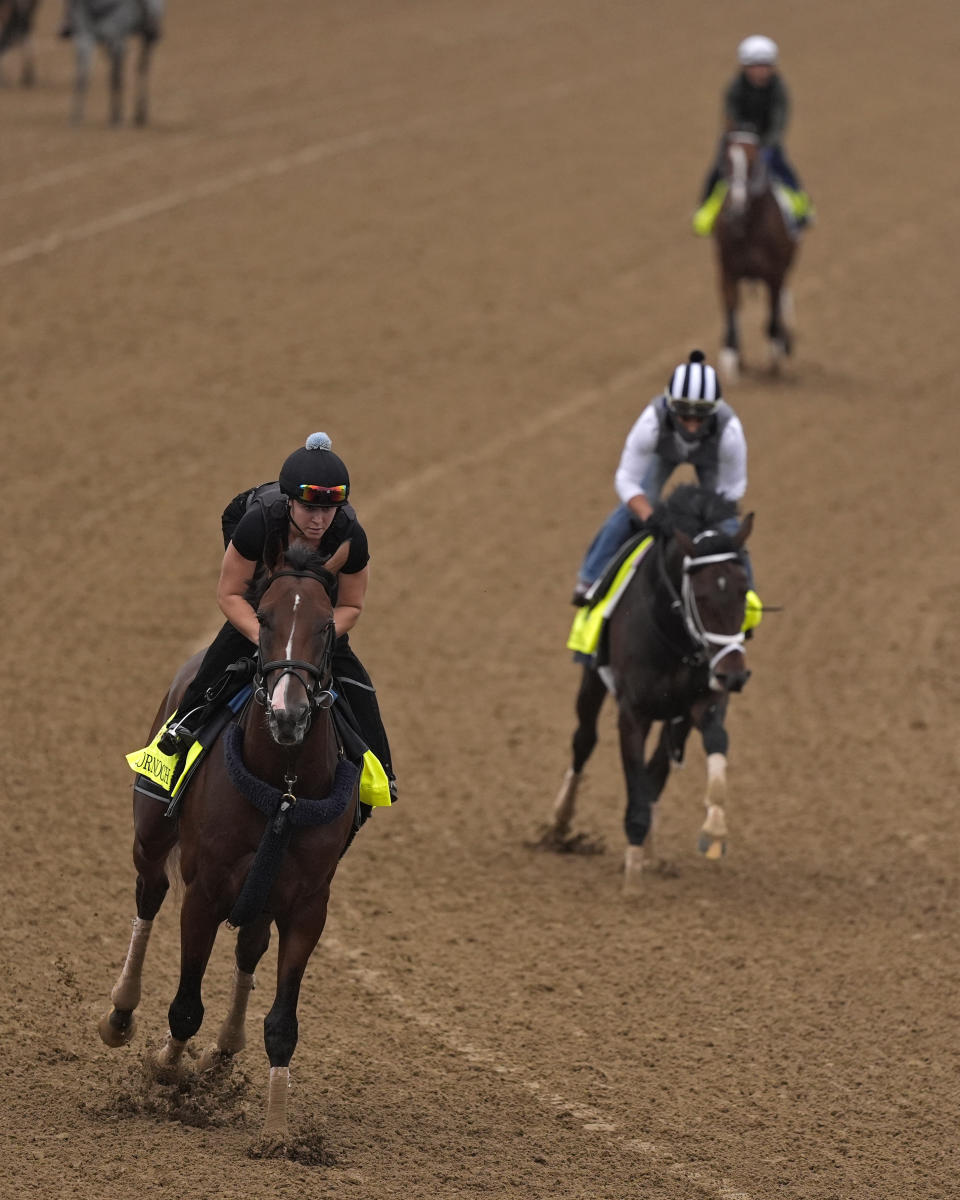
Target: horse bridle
[(317, 686), (686, 604)]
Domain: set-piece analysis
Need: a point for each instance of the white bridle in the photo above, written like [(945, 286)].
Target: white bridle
[(728, 642)]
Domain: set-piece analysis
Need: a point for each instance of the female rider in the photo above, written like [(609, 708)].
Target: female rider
[(309, 506)]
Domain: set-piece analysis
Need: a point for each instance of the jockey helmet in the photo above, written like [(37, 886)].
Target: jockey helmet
[(694, 388), (314, 475), (757, 51)]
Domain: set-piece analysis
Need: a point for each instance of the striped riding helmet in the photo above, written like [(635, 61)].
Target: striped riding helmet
[(757, 51), (694, 388)]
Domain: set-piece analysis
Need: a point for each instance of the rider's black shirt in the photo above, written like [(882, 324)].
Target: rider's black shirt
[(762, 109), (259, 522)]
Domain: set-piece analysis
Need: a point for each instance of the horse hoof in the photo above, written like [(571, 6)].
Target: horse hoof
[(117, 1028), (711, 847), (214, 1059), (729, 365)]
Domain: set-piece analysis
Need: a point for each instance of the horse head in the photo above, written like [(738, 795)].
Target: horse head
[(297, 636), (713, 593)]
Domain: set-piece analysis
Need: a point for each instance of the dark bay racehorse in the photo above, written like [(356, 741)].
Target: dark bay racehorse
[(675, 655), (16, 29), (110, 23), (290, 745), (753, 243)]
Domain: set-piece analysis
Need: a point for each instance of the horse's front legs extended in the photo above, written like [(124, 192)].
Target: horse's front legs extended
[(198, 932), (252, 942), (280, 1029), (709, 718), (729, 361), (643, 790), (155, 835), (590, 699)]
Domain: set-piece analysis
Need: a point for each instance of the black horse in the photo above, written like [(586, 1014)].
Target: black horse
[(674, 654)]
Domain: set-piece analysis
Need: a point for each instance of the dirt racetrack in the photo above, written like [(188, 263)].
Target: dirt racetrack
[(455, 235)]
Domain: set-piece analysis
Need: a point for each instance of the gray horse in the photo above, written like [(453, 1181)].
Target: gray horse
[(110, 23), (16, 29)]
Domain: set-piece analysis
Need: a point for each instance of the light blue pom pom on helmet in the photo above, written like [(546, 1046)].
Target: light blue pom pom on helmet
[(314, 475)]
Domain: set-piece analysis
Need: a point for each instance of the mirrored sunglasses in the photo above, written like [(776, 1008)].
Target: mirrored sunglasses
[(697, 409), (324, 497)]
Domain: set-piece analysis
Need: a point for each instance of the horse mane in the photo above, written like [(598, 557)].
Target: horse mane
[(295, 558), (691, 509)]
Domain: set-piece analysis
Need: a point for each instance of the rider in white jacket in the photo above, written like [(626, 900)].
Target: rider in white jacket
[(689, 423)]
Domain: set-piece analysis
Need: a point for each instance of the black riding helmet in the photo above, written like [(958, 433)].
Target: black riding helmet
[(314, 475)]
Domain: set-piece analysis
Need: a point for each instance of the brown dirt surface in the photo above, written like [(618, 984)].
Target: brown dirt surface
[(455, 235)]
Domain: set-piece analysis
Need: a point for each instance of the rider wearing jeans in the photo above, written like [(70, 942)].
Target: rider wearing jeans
[(756, 99), (689, 423)]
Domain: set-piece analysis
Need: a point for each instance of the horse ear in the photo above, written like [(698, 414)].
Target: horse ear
[(685, 543), (338, 558), (746, 528)]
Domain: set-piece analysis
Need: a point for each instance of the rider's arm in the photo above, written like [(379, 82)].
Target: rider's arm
[(350, 595), (639, 450), (235, 575), (732, 461)]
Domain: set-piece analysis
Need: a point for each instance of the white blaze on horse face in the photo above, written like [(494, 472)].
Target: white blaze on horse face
[(738, 181), (279, 698)]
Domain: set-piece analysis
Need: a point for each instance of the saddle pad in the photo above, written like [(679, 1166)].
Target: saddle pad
[(587, 629), (163, 777)]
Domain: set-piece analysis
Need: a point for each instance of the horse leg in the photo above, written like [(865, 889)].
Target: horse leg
[(642, 794), (198, 931), (710, 721), (28, 70), (83, 49), (252, 942), (778, 335), (141, 107), (590, 699), (117, 55), (280, 1028), (154, 837), (729, 361)]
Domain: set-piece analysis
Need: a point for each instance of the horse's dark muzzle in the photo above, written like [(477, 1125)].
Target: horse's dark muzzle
[(735, 682)]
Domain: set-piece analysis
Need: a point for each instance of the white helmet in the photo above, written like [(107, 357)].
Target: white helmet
[(757, 51)]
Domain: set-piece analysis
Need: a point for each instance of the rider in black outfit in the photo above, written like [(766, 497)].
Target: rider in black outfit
[(307, 505)]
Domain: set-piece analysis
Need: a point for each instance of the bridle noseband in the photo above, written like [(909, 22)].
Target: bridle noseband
[(317, 678)]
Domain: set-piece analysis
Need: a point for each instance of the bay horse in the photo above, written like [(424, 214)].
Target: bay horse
[(16, 29), (110, 23), (753, 242), (290, 749), (675, 654)]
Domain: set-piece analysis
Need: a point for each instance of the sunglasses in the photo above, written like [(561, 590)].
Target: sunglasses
[(323, 497), (698, 410)]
